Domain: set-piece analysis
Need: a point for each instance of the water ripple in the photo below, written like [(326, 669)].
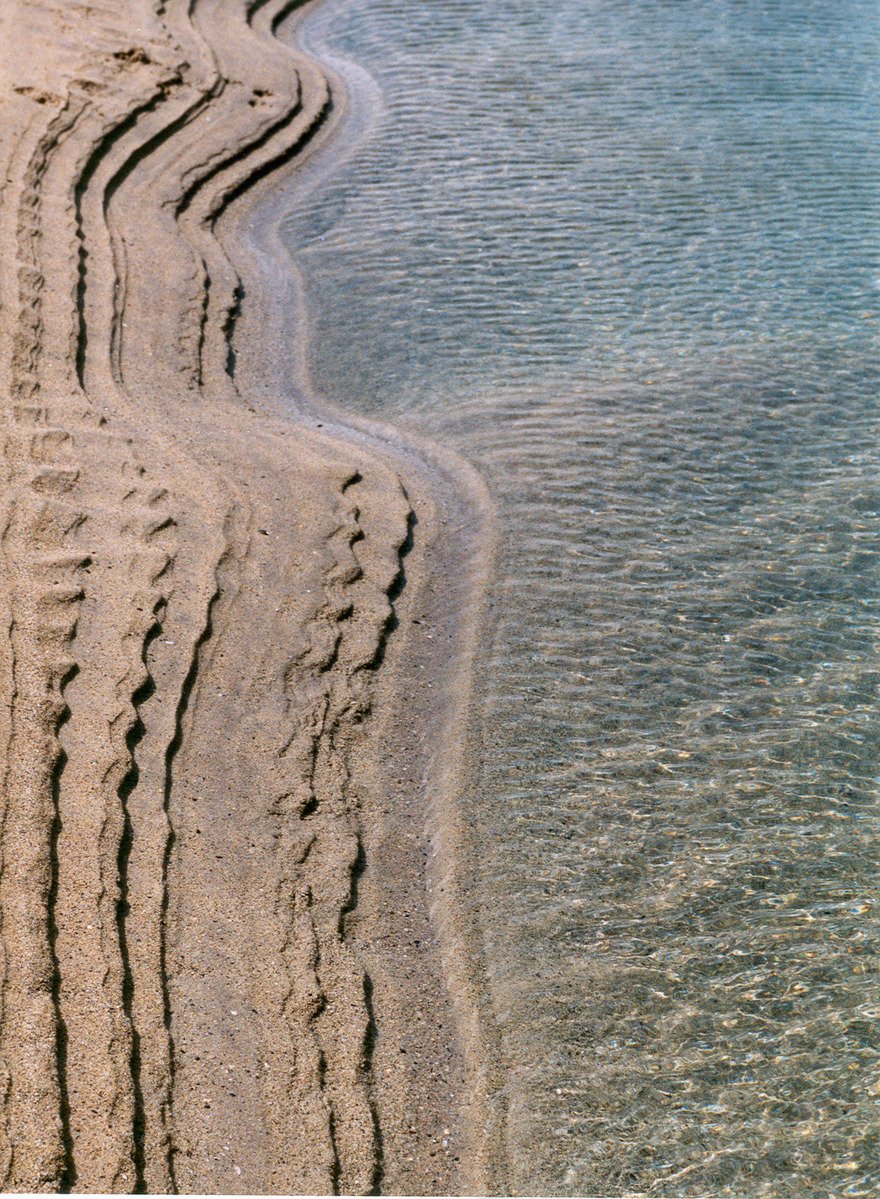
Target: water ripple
[(623, 256)]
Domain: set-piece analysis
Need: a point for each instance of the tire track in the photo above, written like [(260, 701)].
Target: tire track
[(148, 542)]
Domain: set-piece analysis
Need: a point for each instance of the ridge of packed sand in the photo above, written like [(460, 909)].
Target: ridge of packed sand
[(226, 966)]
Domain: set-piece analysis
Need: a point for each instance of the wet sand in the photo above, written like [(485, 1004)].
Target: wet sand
[(235, 676)]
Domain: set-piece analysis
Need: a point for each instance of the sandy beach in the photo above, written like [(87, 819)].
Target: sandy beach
[(233, 959), (440, 554)]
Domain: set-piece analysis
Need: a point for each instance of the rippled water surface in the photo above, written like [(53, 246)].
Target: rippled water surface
[(622, 255)]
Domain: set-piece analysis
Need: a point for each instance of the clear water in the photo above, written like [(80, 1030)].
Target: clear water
[(623, 256)]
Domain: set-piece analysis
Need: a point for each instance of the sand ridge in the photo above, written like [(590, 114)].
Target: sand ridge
[(198, 600)]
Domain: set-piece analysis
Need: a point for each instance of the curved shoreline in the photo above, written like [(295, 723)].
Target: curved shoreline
[(463, 546)]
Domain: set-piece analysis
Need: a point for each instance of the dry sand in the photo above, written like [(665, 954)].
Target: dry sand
[(234, 953)]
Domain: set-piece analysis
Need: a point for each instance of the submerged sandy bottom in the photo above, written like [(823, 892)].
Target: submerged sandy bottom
[(621, 257)]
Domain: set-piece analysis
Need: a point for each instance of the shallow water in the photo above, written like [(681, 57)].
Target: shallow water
[(623, 257)]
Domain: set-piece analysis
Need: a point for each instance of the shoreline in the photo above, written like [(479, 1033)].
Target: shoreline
[(445, 482), (211, 610), (463, 544)]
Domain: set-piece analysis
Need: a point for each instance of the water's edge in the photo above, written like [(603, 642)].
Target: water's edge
[(424, 720)]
